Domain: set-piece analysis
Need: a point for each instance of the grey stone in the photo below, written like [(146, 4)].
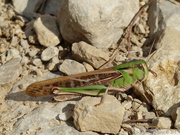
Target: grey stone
[(10, 71), (106, 118), (90, 54), (47, 31), (52, 7), (161, 16), (70, 67), (25, 7), (44, 117), (49, 53), (96, 22), (176, 117)]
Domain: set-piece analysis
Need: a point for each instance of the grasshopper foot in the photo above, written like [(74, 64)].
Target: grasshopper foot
[(103, 98), (98, 104)]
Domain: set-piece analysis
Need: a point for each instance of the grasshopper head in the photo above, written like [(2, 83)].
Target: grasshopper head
[(140, 64)]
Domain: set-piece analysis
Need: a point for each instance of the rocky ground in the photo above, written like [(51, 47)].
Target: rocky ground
[(38, 43)]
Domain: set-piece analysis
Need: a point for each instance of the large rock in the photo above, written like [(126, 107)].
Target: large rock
[(44, 120), (96, 22), (166, 61), (106, 118)]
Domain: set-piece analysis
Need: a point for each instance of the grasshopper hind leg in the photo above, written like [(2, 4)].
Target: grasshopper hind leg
[(102, 98)]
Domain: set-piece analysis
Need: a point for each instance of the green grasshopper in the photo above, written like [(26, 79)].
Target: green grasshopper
[(94, 83)]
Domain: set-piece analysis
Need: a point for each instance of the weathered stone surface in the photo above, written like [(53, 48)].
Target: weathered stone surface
[(37, 62), (106, 118), (70, 67), (10, 71), (150, 115), (90, 54), (12, 53), (3, 47), (44, 118), (162, 122), (88, 67), (165, 87), (96, 22), (64, 116), (47, 31), (25, 7), (25, 44), (176, 117), (33, 52), (164, 15), (64, 129), (52, 7), (166, 61), (52, 65), (49, 53)]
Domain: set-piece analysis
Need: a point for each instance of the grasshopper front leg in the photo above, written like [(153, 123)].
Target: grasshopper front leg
[(138, 87)]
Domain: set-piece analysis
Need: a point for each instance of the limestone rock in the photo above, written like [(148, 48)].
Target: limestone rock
[(12, 53), (162, 122), (10, 71), (70, 67), (52, 65), (37, 62), (49, 53), (177, 122), (25, 7), (52, 7), (64, 116), (25, 44), (3, 46), (47, 31), (164, 15), (176, 118), (96, 22), (44, 118), (88, 67), (165, 88), (90, 54), (150, 115), (106, 118)]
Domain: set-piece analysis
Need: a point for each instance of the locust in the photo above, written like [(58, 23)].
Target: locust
[(95, 83)]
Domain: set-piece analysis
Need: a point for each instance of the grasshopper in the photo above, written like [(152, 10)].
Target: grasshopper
[(94, 83)]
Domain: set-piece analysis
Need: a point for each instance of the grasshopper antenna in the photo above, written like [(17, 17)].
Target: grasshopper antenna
[(152, 72)]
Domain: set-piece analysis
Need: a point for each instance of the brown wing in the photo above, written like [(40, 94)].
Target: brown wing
[(44, 88)]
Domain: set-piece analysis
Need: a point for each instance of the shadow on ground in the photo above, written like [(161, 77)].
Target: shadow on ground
[(21, 96)]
